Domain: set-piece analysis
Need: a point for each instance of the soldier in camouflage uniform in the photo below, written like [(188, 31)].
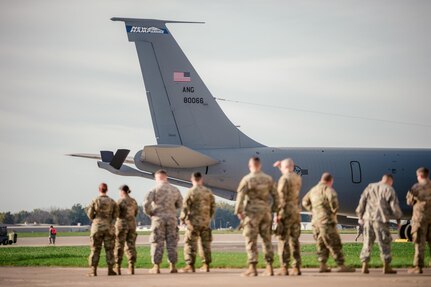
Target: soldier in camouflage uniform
[(288, 217), (253, 207), (103, 212), (125, 230), (378, 204), (322, 201), (419, 197), (161, 204), (198, 209)]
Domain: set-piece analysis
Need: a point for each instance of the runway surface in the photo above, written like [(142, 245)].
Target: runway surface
[(46, 276), (221, 242)]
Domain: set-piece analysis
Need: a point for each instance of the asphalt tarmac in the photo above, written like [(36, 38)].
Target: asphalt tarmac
[(221, 242), (53, 276)]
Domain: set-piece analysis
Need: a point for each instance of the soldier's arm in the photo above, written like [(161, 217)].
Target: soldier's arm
[(186, 207), (136, 207), (395, 205), (306, 202), (275, 198), (179, 201), (360, 210), (411, 197), (213, 206), (148, 209), (91, 212), (115, 213), (333, 201), (281, 196), (242, 189)]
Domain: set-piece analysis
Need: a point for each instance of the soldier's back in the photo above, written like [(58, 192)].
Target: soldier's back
[(200, 201), (258, 196), (291, 186), (422, 198), (103, 209), (128, 209), (164, 200), (320, 197)]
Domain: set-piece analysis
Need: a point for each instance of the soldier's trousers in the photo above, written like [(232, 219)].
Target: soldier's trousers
[(376, 231), (254, 225), (126, 237), (328, 240), (421, 234), (288, 241), (164, 229), (191, 238), (98, 238)]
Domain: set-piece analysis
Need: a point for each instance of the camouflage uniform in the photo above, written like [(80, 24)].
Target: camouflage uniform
[(419, 197), (378, 204), (254, 201), (125, 230), (161, 205), (322, 201), (289, 226), (103, 211), (198, 209)]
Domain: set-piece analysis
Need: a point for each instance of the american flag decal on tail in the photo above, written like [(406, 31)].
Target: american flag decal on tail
[(182, 77)]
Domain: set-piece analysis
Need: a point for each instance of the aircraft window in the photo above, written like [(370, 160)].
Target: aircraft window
[(355, 168)]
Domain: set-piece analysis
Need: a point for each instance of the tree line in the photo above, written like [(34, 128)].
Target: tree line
[(223, 218)]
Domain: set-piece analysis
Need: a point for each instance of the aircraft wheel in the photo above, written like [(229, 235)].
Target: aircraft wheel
[(408, 232), (402, 231), (5, 242), (10, 242)]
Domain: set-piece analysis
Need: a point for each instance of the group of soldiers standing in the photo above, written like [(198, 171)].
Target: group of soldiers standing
[(258, 199)]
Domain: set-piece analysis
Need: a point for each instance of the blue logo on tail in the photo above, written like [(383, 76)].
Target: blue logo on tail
[(146, 30)]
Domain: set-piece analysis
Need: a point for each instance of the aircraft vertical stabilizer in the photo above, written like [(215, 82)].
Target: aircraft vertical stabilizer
[(182, 108)]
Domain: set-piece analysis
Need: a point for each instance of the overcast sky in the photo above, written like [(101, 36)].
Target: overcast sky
[(70, 82)]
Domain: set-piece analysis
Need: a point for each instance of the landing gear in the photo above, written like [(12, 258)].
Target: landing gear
[(405, 231)]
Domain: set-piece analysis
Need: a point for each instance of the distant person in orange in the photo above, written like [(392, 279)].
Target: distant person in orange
[(52, 235)]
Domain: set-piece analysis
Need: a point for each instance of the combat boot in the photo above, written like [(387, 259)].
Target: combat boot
[(92, 272), (172, 268), (387, 269), (131, 269), (155, 269), (283, 271), (205, 268), (296, 271), (415, 270), (251, 271), (111, 271), (324, 268), (344, 268), (118, 269), (188, 269), (365, 269), (269, 271)]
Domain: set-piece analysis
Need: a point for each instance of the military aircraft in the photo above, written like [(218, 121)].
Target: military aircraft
[(193, 134)]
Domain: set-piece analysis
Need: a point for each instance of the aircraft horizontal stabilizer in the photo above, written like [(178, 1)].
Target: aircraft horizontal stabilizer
[(105, 157), (175, 156)]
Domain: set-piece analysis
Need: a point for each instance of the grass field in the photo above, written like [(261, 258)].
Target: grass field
[(77, 257)]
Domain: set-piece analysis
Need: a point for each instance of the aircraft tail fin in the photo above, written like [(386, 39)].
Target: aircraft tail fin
[(182, 108)]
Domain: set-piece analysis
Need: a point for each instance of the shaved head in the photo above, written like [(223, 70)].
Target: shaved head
[(287, 165), (254, 164), (327, 179), (388, 179)]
